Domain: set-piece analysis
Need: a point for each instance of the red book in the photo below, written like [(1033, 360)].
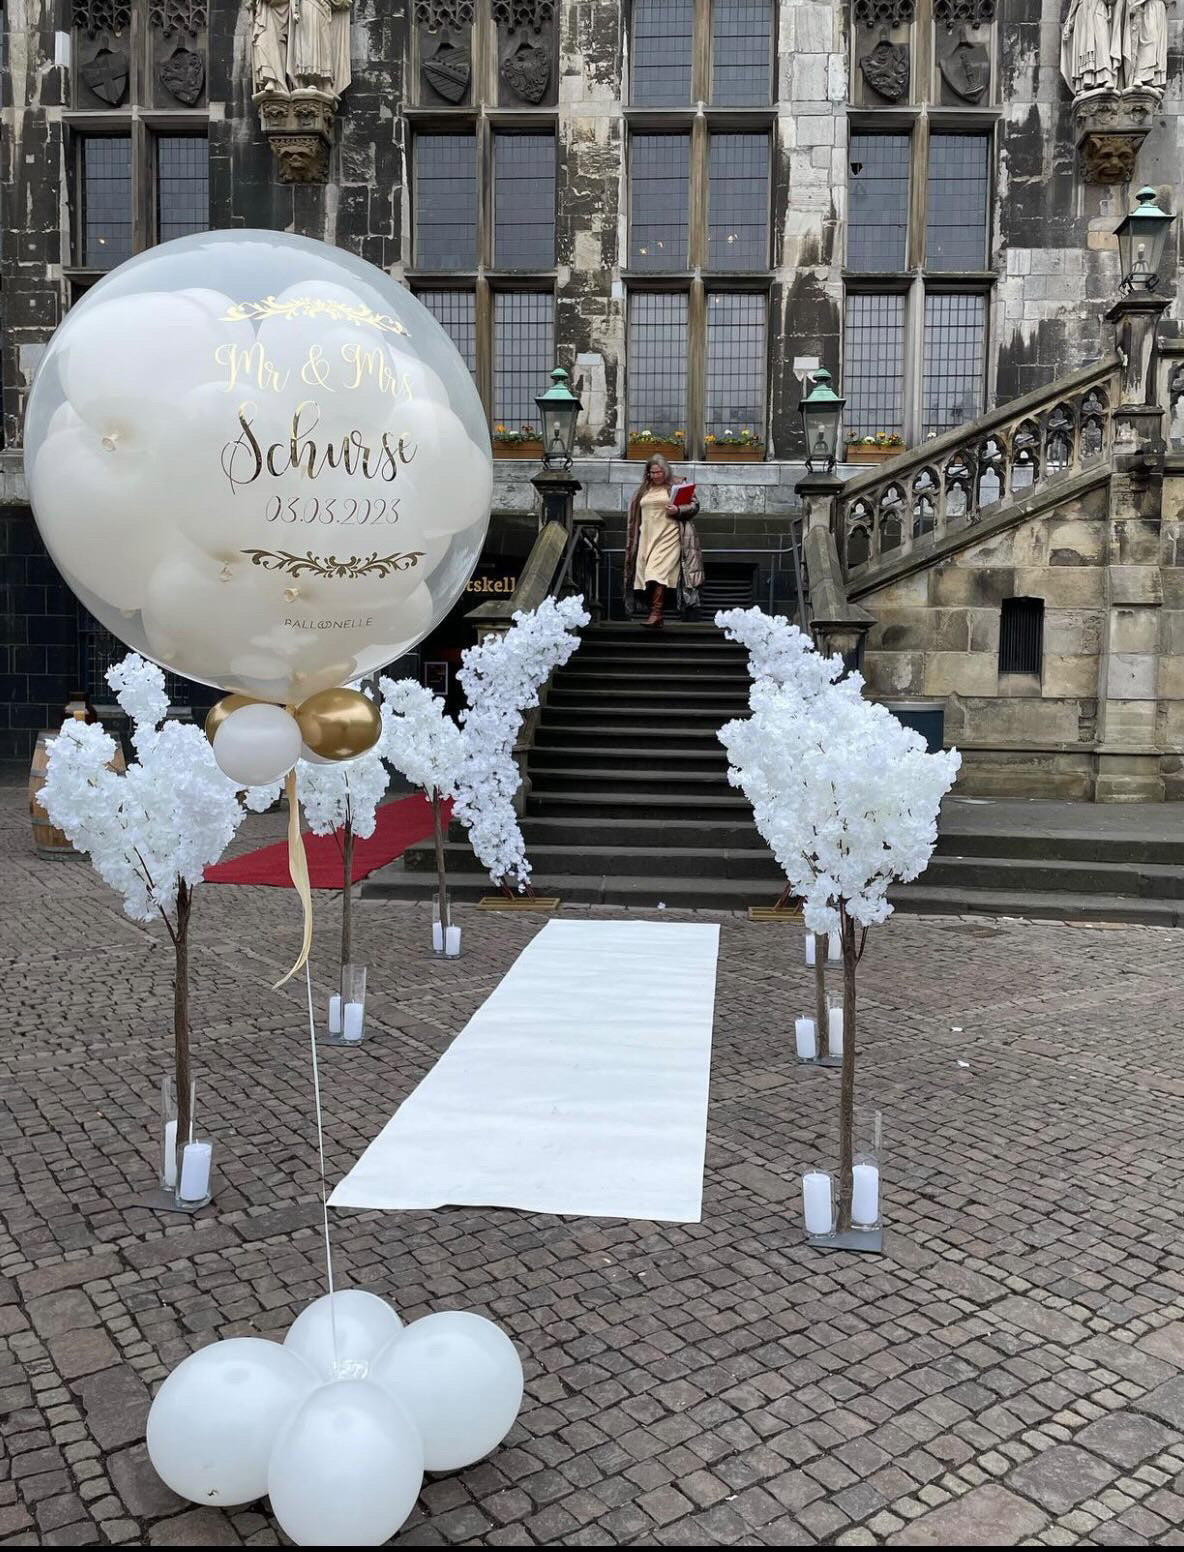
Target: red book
[(683, 494)]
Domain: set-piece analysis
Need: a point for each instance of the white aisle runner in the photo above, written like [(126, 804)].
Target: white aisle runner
[(579, 1087)]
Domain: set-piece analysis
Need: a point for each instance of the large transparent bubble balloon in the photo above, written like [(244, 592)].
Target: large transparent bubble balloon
[(259, 461)]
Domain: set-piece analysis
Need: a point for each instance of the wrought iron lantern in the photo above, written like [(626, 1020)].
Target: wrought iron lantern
[(559, 409), (822, 411), (1142, 234)]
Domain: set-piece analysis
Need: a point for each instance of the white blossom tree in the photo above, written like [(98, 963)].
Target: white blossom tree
[(502, 678), (151, 833), (425, 744), (847, 798)]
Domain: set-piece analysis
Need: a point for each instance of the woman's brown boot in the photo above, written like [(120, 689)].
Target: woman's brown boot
[(655, 619)]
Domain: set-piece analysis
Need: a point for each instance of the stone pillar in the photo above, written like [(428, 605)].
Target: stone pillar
[(1128, 757)]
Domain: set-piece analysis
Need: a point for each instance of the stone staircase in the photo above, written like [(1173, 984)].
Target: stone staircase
[(629, 804)]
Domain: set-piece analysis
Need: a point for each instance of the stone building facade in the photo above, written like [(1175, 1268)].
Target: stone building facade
[(690, 204)]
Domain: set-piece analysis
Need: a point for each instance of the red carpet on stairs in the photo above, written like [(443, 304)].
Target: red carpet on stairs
[(401, 823)]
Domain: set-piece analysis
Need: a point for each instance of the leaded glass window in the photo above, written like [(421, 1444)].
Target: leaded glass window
[(445, 202), (952, 383), (182, 186), (738, 202), (659, 178), (735, 363), (524, 201), (741, 52), (878, 202), (657, 363), (956, 235), (523, 355), (457, 312), (873, 371), (662, 43), (106, 200)]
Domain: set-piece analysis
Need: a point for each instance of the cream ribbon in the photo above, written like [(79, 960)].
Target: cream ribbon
[(298, 869)]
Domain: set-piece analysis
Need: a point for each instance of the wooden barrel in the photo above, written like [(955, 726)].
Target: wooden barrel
[(48, 840)]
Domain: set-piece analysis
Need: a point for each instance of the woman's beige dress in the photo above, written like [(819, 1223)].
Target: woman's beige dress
[(659, 550)]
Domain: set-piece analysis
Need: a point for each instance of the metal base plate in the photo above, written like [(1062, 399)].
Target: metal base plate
[(868, 1240), (341, 1040), (820, 1061), (773, 913), (161, 1200), (439, 953), (518, 903)]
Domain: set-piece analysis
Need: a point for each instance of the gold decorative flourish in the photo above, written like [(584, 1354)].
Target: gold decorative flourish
[(373, 565), (312, 307)]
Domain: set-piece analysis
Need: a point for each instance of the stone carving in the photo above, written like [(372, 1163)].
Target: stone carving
[(1115, 45), (105, 74), (300, 60), (886, 69), (515, 15), (448, 70), (95, 16), (1142, 28), (170, 16), (526, 70), (183, 74), (446, 15), (884, 15), (966, 68), (964, 13)]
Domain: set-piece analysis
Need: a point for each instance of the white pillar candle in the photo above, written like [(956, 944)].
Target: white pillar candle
[(805, 1039), (865, 1195), (335, 1014), (353, 1021), (195, 1171), (832, 948), (453, 938), (816, 1202), (437, 937), (810, 948), (835, 1028), (170, 1154)]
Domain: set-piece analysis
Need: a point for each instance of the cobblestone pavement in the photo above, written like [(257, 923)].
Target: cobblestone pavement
[(1010, 1371)]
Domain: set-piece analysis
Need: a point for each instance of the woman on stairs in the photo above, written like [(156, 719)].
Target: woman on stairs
[(662, 550)]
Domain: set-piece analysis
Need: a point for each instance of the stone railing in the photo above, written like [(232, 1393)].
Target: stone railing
[(974, 471)]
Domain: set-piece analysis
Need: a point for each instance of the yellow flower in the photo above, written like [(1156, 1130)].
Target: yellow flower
[(501, 428)]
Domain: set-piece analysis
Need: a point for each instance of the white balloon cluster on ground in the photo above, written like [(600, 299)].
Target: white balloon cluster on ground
[(846, 796), (165, 821), (337, 1425), (259, 461), (501, 679)]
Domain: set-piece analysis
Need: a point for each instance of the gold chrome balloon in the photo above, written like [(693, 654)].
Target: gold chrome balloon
[(219, 712), (339, 724)]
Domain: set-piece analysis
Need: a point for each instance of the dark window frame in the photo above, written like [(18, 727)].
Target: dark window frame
[(1021, 636)]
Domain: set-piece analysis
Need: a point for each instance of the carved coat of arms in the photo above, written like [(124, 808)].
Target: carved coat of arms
[(106, 75), (966, 69), (447, 72), (526, 70), (886, 69), (184, 75)]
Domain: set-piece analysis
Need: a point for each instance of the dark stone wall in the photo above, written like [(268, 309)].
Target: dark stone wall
[(39, 651)]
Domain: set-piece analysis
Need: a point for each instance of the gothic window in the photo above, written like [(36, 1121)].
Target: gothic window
[(952, 379), (741, 51), (524, 201), (445, 202), (524, 353), (663, 52), (1021, 636), (738, 202), (715, 51), (873, 372), (735, 362), (136, 125), (659, 188), (457, 312), (918, 212), (878, 202), (657, 363)]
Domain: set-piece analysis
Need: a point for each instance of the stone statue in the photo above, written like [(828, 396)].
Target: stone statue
[(301, 45), (1090, 52), (1141, 38)]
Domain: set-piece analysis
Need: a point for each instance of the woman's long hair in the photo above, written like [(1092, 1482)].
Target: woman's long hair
[(664, 463)]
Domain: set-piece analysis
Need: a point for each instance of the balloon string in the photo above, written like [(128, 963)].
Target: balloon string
[(316, 1090), (298, 870)]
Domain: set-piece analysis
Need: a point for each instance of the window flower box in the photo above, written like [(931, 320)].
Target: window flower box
[(877, 449), (523, 443), (644, 444), (719, 453)]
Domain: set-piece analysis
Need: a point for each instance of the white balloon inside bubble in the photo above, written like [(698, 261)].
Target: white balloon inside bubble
[(273, 408), (258, 744)]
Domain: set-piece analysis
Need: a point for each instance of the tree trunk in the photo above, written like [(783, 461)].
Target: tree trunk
[(441, 875), (847, 1088), (181, 1021), (347, 893), (821, 1015)]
